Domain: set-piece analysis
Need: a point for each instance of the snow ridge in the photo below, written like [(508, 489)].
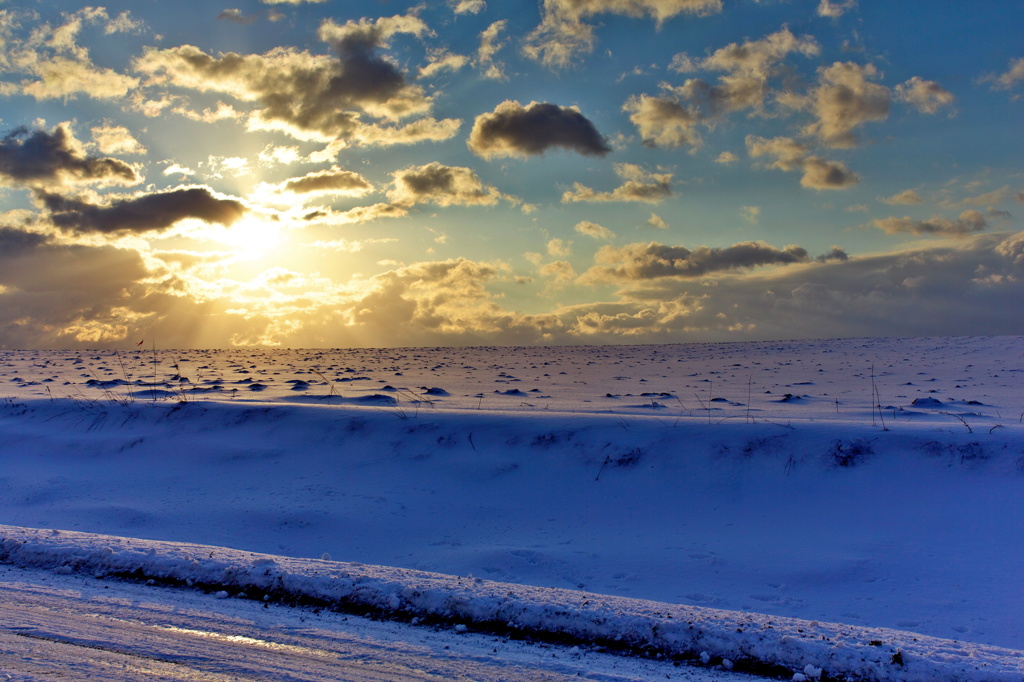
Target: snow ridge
[(735, 639)]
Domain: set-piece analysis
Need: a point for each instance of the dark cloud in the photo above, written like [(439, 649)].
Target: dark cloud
[(142, 214), (514, 130), (41, 158), (15, 242), (52, 294), (821, 173), (365, 75), (835, 254), (236, 16), (639, 261)]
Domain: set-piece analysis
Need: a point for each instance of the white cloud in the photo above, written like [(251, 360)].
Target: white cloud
[(638, 184), (835, 8), (925, 96), (594, 231), (907, 196)]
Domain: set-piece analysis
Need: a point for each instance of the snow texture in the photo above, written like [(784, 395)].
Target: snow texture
[(748, 491), (746, 641)]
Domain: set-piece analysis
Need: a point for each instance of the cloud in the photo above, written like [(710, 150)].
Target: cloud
[(1008, 79), (996, 196), (442, 185), (594, 231), (559, 272), (638, 185), (969, 222), (660, 10), (907, 196), (726, 158), (367, 78), (756, 58), (64, 78), (49, 292), (836, 254), (820, 173), (950, 289), (291, 2), (835, 8), (440, 59), (639, 261), (359, 214), (562, 36), (313, 97), (178, 169), (489, 47), (429, 299), (657, 221), (788, 155), (559, 248), (334, 181), (467, 6), (663, 121), (844, 100), (236, 16), (750, 213), (1012, 248), (111, 139), (518, 131), (671, 119), (57, 67), (144, 213), (273, 155), (425, 129), (925, 96), (43, 159), (558, 42)]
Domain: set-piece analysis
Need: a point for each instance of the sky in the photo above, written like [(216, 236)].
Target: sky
[(472, 172)]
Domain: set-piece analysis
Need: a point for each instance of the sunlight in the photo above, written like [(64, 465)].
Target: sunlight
[(251, 237)]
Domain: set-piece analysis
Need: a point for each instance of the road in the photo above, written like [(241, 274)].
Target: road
[(73, 627)]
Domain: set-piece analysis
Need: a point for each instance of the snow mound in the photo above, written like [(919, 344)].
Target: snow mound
[(747, 640)]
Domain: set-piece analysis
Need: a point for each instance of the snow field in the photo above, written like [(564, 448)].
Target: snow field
[(753, 479), (735, 640)]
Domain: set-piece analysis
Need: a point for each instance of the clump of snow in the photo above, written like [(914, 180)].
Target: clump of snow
[(740, 640)]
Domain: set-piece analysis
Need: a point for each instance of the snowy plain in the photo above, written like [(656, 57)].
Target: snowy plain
[(836, 501)]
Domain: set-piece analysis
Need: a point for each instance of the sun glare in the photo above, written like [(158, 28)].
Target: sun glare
[(252, 237)]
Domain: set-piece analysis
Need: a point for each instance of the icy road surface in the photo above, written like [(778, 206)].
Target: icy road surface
[(78, 627)]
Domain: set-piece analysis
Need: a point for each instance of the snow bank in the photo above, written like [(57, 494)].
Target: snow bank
[(743, 640)]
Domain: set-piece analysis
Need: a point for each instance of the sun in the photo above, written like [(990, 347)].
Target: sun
[(252, 237)]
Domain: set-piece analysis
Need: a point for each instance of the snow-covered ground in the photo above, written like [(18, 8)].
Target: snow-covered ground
[(763, 487)]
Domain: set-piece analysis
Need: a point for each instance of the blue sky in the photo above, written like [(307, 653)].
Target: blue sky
[(469, 172)]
